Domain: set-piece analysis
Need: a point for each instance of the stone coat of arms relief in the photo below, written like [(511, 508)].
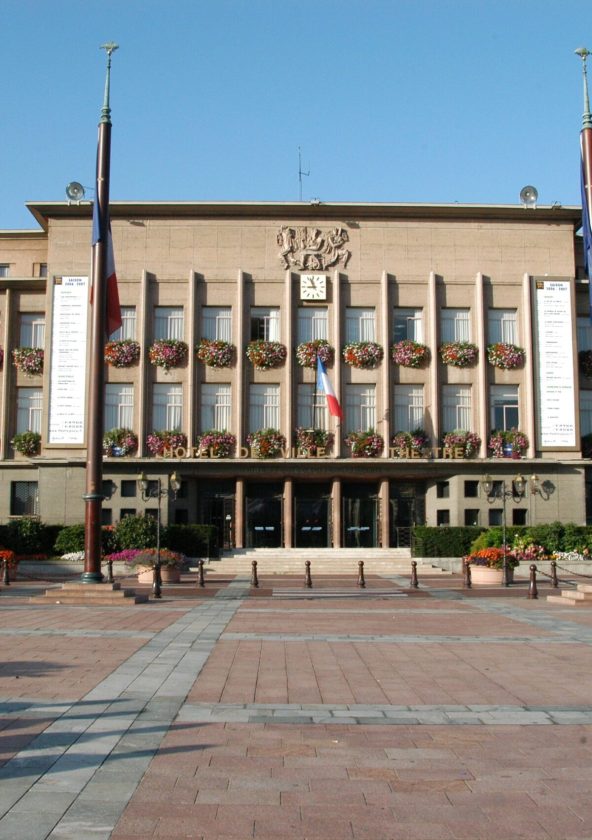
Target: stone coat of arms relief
[(309, 248)]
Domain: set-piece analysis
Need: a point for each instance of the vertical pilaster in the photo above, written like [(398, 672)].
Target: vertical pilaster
[(287, 393), (482, 402), (190, 402), (385, 512), (10, 322), (240, 401), (143, 338), (239, 514), (337, 340), (336, 512), (526, 340), (288, 513), (385, 377), (432, 336)]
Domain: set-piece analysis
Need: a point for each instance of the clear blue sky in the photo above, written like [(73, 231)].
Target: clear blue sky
[(390, 100)]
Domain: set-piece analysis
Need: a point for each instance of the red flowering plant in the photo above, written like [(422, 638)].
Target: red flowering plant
[(157, 442), (505, 356), (216, 444), (119, 442), (8, 556), (458, 353), (27, 443), (507, 444), (365, 444), (459, 439), (363, 354), (528, 552), (122, 354), (264, 355), (310, 441), (168, 353), (215, 353), (307, 352), (492, 558), (266, 443), (29, 360), (410, 353), (406, 443), (585, 363)]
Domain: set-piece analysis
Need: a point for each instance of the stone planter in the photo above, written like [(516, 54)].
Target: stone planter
[(484, 576), (168, 574)]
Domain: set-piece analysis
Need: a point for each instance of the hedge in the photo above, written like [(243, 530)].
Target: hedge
[(443, 541), (191, 540), (29, 536)]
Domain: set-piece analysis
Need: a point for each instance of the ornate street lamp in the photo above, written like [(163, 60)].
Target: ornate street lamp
[(498, 490), (159, 492)]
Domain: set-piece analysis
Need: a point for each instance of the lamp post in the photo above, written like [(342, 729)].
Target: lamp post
[(498, 490), (159, 492)]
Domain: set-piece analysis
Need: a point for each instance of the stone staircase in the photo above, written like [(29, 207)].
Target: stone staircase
[(323, 561), (90, 594), (580, 597)]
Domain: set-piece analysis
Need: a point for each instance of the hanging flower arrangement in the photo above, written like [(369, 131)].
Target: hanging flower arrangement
[(29, 360), (216, 444), (215, 353), (266, 443), (585, 362), (119, 442), (363, 354), (505, 356), (365, 444), (459, 439), (310, 441), (410, 353), (406, 443), (157, 442), (168, 353), (307, 352), (266, 354), (27, 443), (507, 444), (458, 353), (122, 354)]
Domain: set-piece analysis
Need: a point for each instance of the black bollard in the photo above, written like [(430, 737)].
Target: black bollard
[(307, 577), (254, 578), (414, 582), (5, 578), (361, 579), (554, 581), (467, 575), (156, 581), (110, 578), (201, 580), (532, 586)]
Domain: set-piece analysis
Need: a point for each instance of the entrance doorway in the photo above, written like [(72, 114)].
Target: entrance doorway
[(263, 516), (312, 525), (360, 516), (407, 503), (217, 508)]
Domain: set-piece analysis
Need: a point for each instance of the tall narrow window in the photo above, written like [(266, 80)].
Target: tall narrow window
[(408, 405), (360, 407), (127, 330), (503, 326), (311, 407), (4, 269), (312, 324), (455, 325), (217, 323), (168, 322), (586, 412), (584, 333), (119, 405), (265, 323), (264, 407), (167, 407), (215, 407), (32, 330), (456, 407), (504, 407), (29, 405), (407, 324), (360, 324)]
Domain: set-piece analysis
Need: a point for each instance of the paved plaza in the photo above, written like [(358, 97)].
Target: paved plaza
[(229, 712)]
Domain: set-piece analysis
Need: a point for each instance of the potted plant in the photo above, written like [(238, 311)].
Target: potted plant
[(27, 443), (266, 443), (487, 565), (507, 444), (171, 563), (308, 351), (405, 444), (363, 354), (458, 353), (264, 355), (408, 353), (119, 442), (310, 441), (365, 444), (158, 441), (585, 363), (122, 354), (216, 444), (215, 353), (465, 443), (29, 360), (168, 353), (505, 356)]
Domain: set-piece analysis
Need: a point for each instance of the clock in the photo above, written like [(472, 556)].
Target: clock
[(313, 287)]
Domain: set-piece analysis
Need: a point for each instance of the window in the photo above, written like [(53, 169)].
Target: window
[(471, 516), (24, 498), (586, 412), (312, 324), (360, 324), (216, 323), (264, 407), (4, 270), (215, 407), (408, 406), (265, 323), (504, 407), (127, 512), (311, 409), (519, 516), (42, 269), (29, 404), (127, 330), (167, 407), (106, 516), (360, 407), (129, 488), (495, 516), (181, 516), (442, 517), (32, 332), (407, 323), (471, 489), (455, 325), (443, 489), (119, 405), (456, 407), (107, 488), (584, 333), (168, 322), (503, 326)]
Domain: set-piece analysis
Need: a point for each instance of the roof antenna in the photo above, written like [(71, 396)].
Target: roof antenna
[(301, 171)]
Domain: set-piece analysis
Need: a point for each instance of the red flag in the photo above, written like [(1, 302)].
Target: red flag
[(113, 314)]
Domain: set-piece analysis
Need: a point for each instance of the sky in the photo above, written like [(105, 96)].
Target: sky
[(389, 100)]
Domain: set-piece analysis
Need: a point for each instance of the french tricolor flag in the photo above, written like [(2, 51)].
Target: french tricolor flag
[(113, 310), (324, 385)]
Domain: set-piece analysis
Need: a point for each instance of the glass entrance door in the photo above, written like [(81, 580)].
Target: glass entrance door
[(311, 523), (360, 516), (264, 521)]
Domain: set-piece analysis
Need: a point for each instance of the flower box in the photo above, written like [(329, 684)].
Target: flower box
[(215, 353), (365, 444), (458, 353), (465, 443), (505, 356), (157, 442), (27, 443), (122, 354), (29, 360), (117, 443), (267, 443), (264, 355), (310, 441), (363, 354), (408, 353), (216, 444), (308, 351), (508, 444), (168, 353), (405, 444)]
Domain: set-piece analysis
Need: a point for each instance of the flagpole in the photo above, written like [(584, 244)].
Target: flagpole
[(93, 496), (586, 150)]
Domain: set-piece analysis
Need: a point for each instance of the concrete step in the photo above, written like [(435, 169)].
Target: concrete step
[(568, 600), (95, 594)]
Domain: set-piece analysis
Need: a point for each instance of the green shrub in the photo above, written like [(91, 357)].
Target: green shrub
[(191, 540), (493, 537), (70, 539), (448, 541), (136, 532), (26, 536)]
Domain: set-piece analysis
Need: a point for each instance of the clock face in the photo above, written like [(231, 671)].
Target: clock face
[(313, 287)]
